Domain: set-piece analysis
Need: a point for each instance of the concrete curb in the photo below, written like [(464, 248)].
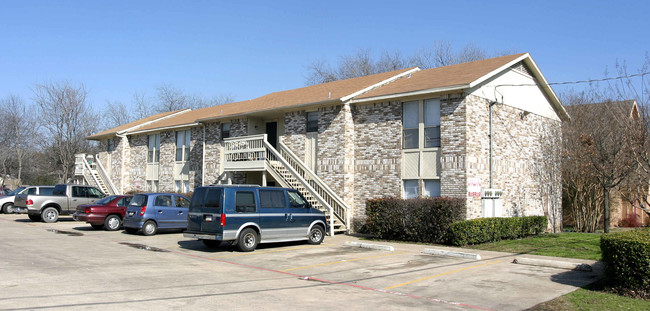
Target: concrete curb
[(553, 264), (368, 245), (432, 251)]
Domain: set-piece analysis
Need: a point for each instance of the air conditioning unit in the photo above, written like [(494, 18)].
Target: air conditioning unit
[(491, 202)]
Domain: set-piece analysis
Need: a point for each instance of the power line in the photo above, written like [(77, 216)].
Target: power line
[(582, 81)]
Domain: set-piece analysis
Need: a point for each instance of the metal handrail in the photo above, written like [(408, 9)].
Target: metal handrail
[(314, 193), (105, 177), (340, 209)]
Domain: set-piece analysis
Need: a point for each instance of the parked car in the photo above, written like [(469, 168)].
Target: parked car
[(152, 211), (7, 202), (106, 213), (5, 191), (64, 200), (249, 215)]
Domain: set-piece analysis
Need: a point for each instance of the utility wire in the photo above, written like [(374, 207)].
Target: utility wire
[(582, 81)]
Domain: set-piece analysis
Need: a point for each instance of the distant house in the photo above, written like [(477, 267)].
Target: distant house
[(404, 133)]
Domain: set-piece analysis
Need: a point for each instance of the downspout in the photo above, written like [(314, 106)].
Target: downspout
[(490, 121)]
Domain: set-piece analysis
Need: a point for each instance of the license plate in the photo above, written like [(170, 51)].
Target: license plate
[(131, 213), (208, 218)]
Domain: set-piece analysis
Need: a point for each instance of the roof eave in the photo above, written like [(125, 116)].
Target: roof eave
[(164, 128), (413, 93), (230, 116)]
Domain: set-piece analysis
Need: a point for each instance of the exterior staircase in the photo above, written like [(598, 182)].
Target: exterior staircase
[(254, 153), (94, 173)]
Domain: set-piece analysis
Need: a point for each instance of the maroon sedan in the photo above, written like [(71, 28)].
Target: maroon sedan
[(107, 212)]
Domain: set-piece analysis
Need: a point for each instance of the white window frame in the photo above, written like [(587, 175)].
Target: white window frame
[(153, 150), (184, 148)]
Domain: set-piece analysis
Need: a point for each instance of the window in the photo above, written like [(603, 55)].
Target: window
[(296, 200), (139, 200), (225, 130), (183, 145), (421, 119), (312, 121), (213, 199), (431, 188), (410, 124), (272, 199), (182, 186), (124, 201), (163, 200), (431, 123), (154, 148), (31, 191), (109, 146), (46, 191), (80, 192), (94, 193), (152, 185), (411, 189), (182, 202), (244, 202)]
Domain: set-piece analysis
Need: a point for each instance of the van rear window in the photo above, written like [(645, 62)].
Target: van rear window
[(272, 199), (213, 200)]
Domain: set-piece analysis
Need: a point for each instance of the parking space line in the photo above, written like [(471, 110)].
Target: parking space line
[(342, 261), (445, 273), (271, 251)]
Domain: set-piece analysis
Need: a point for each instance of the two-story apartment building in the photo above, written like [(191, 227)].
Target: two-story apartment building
[(449, 131)]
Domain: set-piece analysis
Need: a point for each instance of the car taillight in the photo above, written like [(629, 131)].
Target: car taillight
[(29, 202), (142, 210), (89, 210), (223, 220)]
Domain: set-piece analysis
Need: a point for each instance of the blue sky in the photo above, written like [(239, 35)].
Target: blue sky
[(250, 48)]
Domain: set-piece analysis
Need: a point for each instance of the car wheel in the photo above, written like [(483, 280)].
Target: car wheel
[(149, 228), (112, 222), (97, 227), (50, 215), (211, 243), (248, 240), (131, 230), (33, 217), (8, 208), (316, 235)]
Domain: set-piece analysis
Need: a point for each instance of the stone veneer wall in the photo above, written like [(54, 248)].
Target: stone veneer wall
[(196, 157), (116, 162), (526, 163), (295, 127), (167, 161), (377, 153), (212, 152), (331, 148), (238, 128), (453, 137), (136, 164)]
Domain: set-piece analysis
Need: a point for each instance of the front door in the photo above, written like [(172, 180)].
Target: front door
[(311, 150), (272, 133)]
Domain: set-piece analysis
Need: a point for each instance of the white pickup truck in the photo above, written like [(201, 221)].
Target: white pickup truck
[(64, 201)]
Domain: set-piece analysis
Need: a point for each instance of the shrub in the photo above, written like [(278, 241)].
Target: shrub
[(627, 259), (483, 230), (419, 220), (630, 221)]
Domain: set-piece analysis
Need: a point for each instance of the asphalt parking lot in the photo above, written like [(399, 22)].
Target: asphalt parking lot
[(68, 265)]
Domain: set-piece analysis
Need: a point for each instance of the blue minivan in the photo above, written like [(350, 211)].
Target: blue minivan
[(152, 211), (249, 215)]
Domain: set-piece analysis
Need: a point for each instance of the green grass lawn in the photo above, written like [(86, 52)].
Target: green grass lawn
[(567, 244), (585, 299)]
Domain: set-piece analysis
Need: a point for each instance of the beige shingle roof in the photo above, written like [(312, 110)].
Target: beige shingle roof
[(331, 91), (441, 77), (133, 124)]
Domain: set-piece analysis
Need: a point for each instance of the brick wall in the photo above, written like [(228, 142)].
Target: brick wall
[(136, 163)]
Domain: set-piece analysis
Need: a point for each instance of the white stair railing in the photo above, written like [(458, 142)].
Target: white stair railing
[(104, 176)]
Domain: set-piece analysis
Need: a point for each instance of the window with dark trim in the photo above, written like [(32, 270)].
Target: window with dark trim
[(225, 130), (245, 202), (312, 121)]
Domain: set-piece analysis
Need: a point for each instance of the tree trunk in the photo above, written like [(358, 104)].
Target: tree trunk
[(606, 211)]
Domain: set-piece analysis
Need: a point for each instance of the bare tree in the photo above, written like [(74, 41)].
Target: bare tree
[(116, 114), (67, 118), (362, 62), (20, 127), (142, 106), (170, 99)]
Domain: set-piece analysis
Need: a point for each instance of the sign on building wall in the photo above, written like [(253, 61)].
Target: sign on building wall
[(473, 187)]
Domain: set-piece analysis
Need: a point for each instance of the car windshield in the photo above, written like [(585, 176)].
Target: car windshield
[(139, 200), (16, 191), (105, 200)]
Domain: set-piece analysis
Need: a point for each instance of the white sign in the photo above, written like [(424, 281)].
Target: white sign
[(473, 187)]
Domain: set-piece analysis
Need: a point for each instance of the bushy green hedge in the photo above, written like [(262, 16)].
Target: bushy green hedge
[(419, 220), (485, 230), (627, 259)]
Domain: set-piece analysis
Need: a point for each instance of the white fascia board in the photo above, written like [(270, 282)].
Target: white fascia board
[(152, 121), (160, 129), (498, 70), (376, 85), (414, 93)]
